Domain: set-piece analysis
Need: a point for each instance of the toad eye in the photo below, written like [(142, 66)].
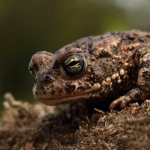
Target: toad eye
[(74, 64)]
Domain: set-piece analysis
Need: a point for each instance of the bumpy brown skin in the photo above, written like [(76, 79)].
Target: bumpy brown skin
[(117, 68)]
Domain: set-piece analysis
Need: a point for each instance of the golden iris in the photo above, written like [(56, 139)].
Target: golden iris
[(73, 64)]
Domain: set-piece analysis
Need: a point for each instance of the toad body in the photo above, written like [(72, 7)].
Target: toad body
[(112, 67)]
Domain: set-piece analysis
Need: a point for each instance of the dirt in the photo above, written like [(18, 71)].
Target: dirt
[(78, 126)]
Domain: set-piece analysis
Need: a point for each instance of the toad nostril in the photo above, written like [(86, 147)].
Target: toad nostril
[(48, 78), (35, 67)]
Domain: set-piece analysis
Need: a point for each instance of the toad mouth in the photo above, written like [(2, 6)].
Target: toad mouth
[(70, 99)]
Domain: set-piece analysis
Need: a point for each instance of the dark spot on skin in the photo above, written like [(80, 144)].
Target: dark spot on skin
[(145, 64), (131, 37), (69, 87), (52, 92), (141, 39), (44, 92), (103, 54), (148, 35), (90, 45), (146, 75), (60, 90), (36, 92), (56, 65), (67, 48)]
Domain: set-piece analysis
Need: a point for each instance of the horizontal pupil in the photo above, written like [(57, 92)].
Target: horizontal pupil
[(73, 63)]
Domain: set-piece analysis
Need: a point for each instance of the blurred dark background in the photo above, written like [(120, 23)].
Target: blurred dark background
[(34, 25)]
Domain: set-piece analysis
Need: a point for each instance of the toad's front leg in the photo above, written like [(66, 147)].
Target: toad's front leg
[(142, 89), (135, 94)]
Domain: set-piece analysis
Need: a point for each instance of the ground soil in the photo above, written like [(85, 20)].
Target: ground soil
[(79, 126)]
